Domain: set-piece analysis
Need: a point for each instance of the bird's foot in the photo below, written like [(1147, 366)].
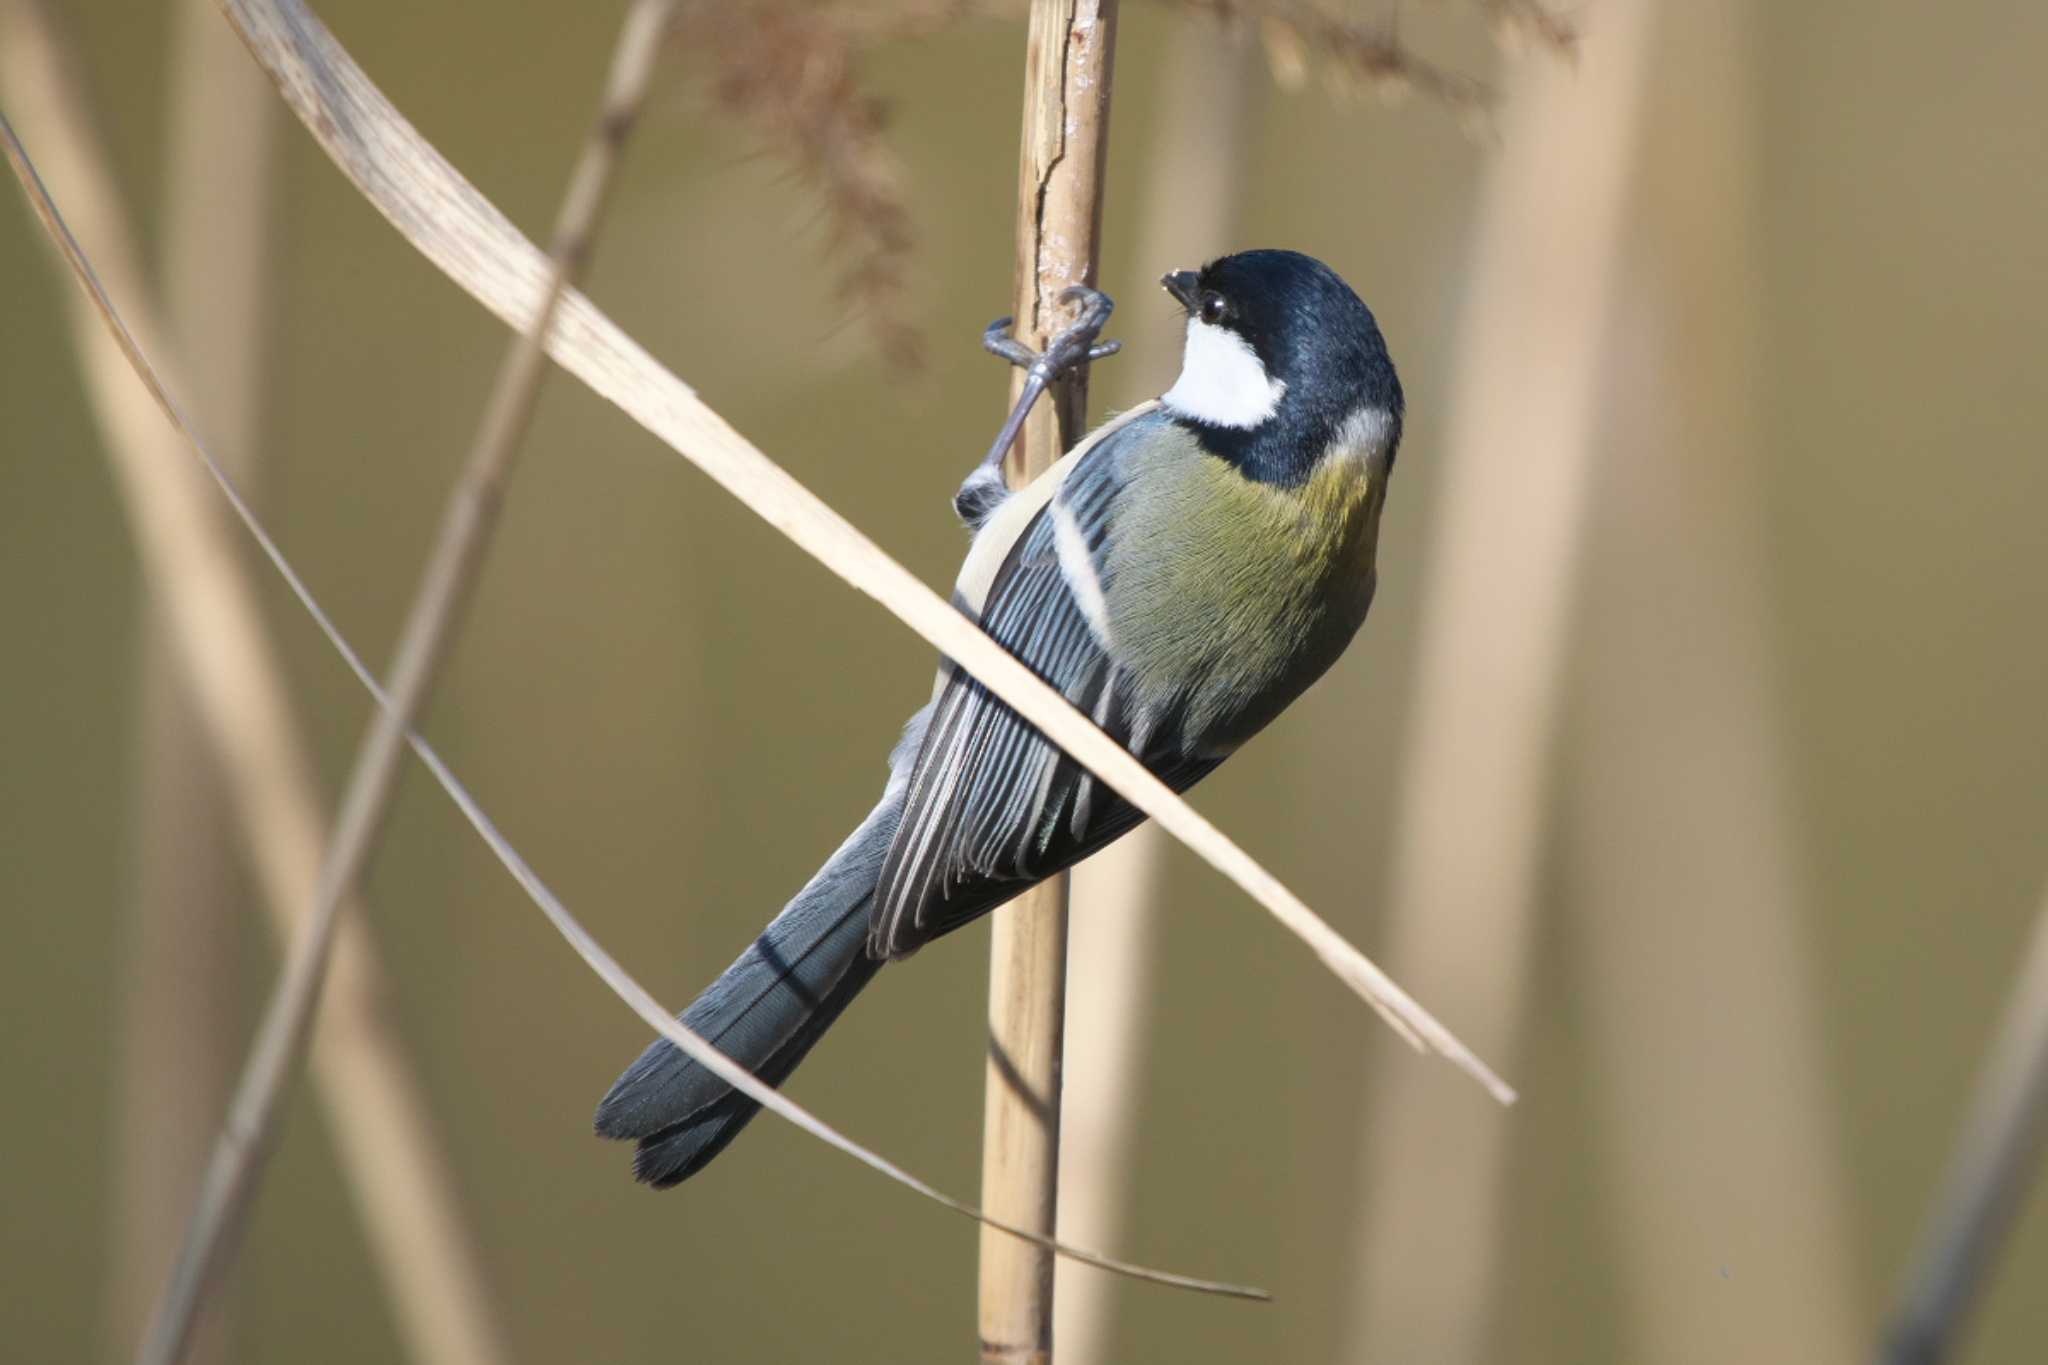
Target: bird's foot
[(1070, 348)]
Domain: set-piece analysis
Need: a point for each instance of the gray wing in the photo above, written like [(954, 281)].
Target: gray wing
[(993, 808)]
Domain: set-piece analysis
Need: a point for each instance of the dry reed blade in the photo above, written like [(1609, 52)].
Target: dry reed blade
[(462, 233), (422, 1250), (454, 564), (602, 963)]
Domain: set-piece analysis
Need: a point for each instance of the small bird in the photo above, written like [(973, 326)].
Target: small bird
[(1181, 575)]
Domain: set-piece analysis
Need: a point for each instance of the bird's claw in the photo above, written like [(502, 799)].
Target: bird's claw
[(996, 340), (1072, 346)]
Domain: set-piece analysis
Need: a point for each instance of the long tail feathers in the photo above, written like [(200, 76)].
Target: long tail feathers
[(765, 1013)]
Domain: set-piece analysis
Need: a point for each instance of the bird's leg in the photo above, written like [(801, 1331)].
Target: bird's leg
[(1072, 347)]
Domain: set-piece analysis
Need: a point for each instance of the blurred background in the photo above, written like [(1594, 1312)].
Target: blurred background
[(1693, 765)]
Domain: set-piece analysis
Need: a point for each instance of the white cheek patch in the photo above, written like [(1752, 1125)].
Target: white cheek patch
[(1222, 381)]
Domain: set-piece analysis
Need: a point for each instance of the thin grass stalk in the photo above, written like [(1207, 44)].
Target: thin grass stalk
[(180, 975), (1496, 614), (455, 563), (1205, 114), (462, 233), (1715, 1121), (601, 963), (1069, 65), (1997, 1156), (422, 1251)]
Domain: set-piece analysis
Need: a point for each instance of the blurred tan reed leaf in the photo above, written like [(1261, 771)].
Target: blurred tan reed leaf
[(180, 980), (438, 611), (398, 1177), (1206, 118), (1715, 1104), (1496, 618)]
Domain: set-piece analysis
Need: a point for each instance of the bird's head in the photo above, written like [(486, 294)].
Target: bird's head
[(1283, 366)]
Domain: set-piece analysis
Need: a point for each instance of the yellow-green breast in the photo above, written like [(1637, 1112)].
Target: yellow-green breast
[(1236, 592)]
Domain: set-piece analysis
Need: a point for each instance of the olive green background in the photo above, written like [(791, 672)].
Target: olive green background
[(676, 714)]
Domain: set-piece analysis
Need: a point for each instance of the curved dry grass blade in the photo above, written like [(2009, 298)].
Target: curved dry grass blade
[(606, 967), (424, 1254), (1985, 1186), (453, 567), (460, 231)]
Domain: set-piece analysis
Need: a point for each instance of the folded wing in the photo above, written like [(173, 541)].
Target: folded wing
[(992, 808)]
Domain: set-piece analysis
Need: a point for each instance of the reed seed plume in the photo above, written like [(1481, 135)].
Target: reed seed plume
[(791, 72)]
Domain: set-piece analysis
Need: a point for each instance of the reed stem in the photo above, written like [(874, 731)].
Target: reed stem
[(1067, 71)]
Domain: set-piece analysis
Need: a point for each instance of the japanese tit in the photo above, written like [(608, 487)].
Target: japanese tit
[(1181, 575)]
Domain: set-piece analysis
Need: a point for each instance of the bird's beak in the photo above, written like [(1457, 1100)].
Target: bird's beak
[(1181, 284)]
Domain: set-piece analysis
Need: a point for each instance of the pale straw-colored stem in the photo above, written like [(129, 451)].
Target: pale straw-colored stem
[(1714, 1116), (1997, 1157), (182, 941), (430, 630), (462, 233), (423, 1253), (1069, 68), (1527, 391), (1190, 198)]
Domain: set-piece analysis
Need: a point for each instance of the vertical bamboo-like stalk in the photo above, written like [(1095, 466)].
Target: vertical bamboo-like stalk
[(1191, 195), (183, 945), (1716, 1126), (1496, 612), (1067, 73)]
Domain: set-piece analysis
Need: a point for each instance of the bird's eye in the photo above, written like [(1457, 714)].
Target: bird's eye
[(1214, 309)]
